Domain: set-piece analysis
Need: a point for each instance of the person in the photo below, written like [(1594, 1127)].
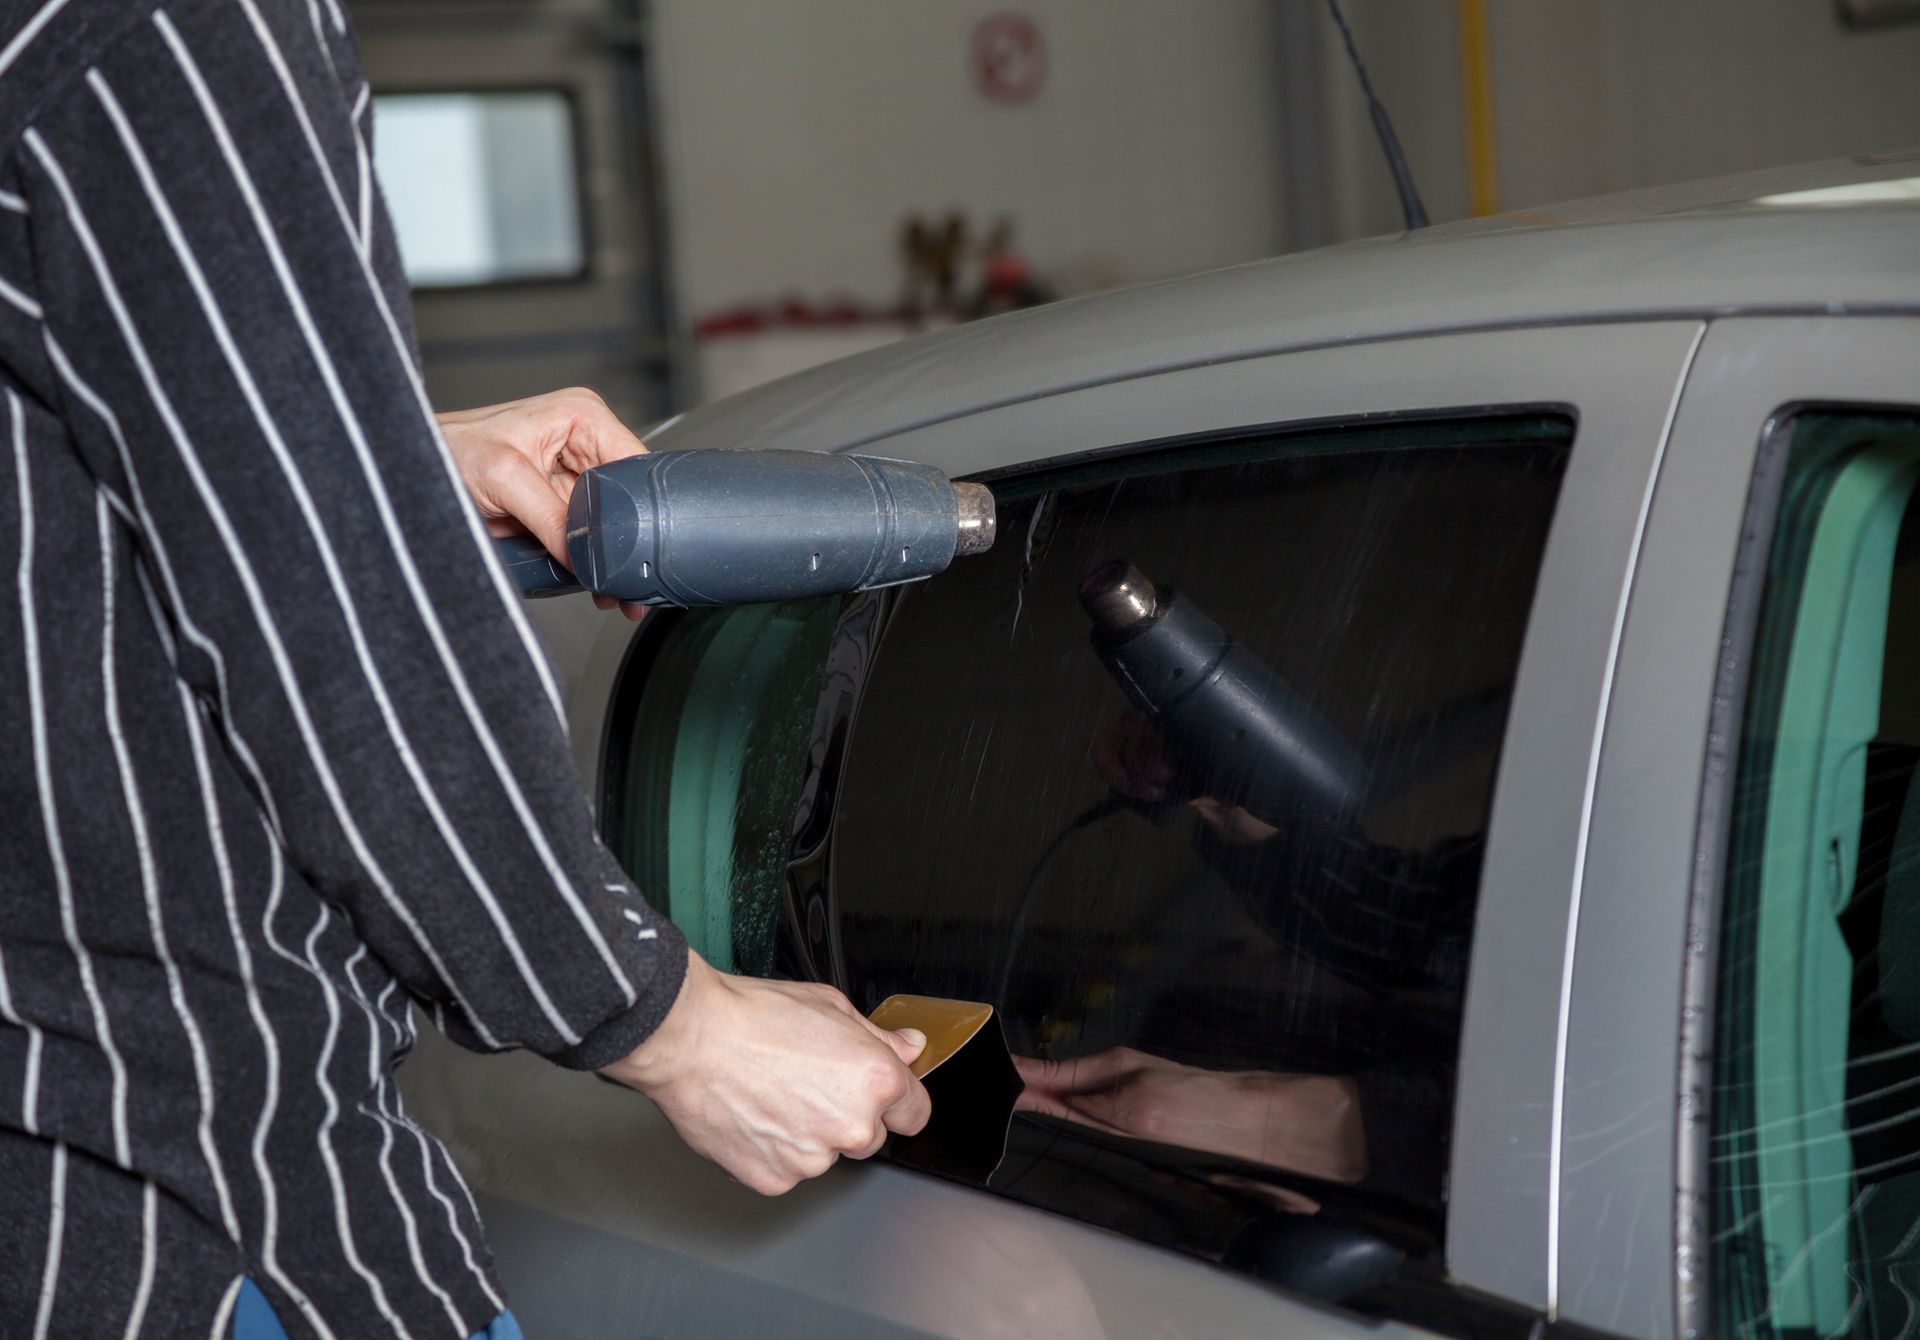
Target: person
[(285, 759)]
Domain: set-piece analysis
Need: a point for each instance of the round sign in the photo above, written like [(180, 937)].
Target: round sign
[(1009, 58)]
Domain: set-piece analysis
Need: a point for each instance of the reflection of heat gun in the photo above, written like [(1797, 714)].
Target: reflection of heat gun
[(1238, 733)]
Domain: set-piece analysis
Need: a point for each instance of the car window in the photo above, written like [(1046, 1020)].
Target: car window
[(1814, 1153), (1190, 777)]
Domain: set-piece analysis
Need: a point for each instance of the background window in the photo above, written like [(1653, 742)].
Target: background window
[(481, 186), (1230, 944), (1815, 1145)]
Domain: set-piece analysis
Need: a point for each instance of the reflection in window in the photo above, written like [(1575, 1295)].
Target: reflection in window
[(1191, 775), (1815, 1145), (1215, 847), (481, 186)]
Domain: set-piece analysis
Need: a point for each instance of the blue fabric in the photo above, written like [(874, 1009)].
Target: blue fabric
[(253, 1315), (254, 1319)]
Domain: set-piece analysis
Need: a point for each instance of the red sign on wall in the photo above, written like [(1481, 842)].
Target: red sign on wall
[(1009, 58)]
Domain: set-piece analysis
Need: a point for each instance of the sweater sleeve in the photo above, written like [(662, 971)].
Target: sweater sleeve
[(226, 321)]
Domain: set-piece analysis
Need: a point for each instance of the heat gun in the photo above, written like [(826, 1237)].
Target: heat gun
[(724, 527), (1237, 731)]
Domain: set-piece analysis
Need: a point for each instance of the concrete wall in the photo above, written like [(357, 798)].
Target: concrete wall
[(798, 133), (1607, 95)]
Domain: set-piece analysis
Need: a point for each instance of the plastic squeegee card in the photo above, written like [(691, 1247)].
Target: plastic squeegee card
[(948, 1024), (973, 1092)]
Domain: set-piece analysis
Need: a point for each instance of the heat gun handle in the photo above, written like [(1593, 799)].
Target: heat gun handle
[(532, 568)]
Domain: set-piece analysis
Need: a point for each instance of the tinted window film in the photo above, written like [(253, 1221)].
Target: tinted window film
[(1217, 864), (1814, 1152), (1217, 861)]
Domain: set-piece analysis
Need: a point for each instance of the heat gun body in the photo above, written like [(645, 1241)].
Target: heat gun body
[(1238, 732), (690, 528)]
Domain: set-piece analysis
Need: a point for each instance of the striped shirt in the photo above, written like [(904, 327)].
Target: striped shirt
[(273, 773)]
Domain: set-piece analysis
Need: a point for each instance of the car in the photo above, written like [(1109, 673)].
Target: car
[(1577, 547)]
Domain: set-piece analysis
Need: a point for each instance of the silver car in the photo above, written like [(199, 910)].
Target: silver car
[(1582, 544)]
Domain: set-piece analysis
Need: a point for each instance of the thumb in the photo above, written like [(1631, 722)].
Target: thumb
[(907, 1043)]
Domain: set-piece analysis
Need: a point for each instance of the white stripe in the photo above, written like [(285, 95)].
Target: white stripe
[(43, 781), (389, 1100), (156, 546), (36, 1040), (376, 1080), (21, 300), (28, 31), (56, 1240), (149, 1254), (327, 1124), (482, 542), (223, 1319), (176, 988), (269, 631), (269, 1257), (362, 151), (16, 203), (327, 552), (269, 1041), (401, 549)]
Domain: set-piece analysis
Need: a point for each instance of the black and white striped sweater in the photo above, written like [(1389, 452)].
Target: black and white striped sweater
[(271, 773)]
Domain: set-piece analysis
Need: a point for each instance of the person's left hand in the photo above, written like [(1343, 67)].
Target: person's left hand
[(1302, 1123), (520, 460)]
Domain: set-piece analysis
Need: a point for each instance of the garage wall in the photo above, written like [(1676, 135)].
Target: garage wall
[(1598, 97), (798, 133)]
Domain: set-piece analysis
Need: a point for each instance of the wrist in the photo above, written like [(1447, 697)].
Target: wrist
[(664, 1054)]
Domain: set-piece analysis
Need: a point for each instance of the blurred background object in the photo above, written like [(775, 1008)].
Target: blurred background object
[(669, 200)]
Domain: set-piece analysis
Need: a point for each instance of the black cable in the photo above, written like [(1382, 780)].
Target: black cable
[(1416, 213), (1017, 923)]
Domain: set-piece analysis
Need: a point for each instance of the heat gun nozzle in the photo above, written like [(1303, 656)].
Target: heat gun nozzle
[(1118, 597), (973, 520)]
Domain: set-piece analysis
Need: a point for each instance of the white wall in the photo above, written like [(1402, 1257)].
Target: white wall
[(1605, 95), (798, 134)]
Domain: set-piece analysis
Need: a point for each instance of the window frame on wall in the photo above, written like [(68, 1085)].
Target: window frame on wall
[(582, 274), (1729, 780)]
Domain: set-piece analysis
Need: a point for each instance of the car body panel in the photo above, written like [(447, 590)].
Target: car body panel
[(1714, 257), (656, 1241), (1623, 1063), (1499, 1210)]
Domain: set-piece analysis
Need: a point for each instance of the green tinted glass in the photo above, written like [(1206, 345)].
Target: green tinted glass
[(705, 769), (1815, 1150)]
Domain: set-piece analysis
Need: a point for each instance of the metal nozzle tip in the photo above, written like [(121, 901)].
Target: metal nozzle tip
[(974, 519), (1116, 596)]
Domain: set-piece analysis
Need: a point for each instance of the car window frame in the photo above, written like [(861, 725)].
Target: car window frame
[(1633, 1192), (1620, 379)]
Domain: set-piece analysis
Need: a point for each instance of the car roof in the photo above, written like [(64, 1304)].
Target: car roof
[(1828, 238)]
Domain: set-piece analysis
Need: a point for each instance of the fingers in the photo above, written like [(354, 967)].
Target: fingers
[(909, 1116), (1080, 1074), (597, 435), (511, 485)]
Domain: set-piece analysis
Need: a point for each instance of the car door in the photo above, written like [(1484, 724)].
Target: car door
[(1423, 546), (1736, 1024)]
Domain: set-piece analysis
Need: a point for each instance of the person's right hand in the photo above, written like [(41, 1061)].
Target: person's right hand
[(774, 1081)]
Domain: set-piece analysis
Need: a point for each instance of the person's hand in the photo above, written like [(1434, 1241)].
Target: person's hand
[(1131, 757), (520, 461), (774, 1081), (1302, 1123)]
